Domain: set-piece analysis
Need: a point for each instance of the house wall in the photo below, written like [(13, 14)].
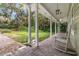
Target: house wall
[(74, 35), (76, 26)]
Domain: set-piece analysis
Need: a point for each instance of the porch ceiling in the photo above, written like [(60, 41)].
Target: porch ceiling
[(52, 7), (41, 10)]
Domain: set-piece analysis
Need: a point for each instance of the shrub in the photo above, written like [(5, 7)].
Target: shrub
[(5, 31), (63, 27)]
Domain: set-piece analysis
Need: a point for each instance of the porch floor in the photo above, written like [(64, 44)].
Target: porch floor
[(46, 48)]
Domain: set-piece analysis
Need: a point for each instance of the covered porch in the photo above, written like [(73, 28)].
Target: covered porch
[(58, 13), (46, 48)]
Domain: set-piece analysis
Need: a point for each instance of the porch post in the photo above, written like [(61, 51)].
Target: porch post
[(36, 25), (58, 27), (55, 28), (51, 27), (29, 25)]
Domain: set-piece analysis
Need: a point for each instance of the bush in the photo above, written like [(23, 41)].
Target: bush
[(63, 27), (5, 31), (23, 28), (6, 26)]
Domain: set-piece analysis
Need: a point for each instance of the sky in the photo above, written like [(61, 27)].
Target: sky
[(13, 15)]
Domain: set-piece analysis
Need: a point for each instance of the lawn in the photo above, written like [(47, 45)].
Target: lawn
[(22, 36)]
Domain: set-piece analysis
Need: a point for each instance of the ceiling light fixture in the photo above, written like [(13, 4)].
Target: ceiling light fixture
[(58, 10)]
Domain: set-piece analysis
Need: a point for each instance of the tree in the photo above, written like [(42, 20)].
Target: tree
[(9, 8)]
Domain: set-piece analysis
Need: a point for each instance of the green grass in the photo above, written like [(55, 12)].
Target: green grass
[(22, 36)]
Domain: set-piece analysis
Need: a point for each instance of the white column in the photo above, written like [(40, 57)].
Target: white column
[(36, 25), (29, 25), (55, 28), (51, 27), (58, 27)]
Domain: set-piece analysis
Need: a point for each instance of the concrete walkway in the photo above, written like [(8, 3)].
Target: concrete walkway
[(8, 45)]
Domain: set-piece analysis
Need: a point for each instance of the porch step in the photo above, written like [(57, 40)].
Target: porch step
[(68, 52), (61, 43), (61, 40), (62, 49)]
